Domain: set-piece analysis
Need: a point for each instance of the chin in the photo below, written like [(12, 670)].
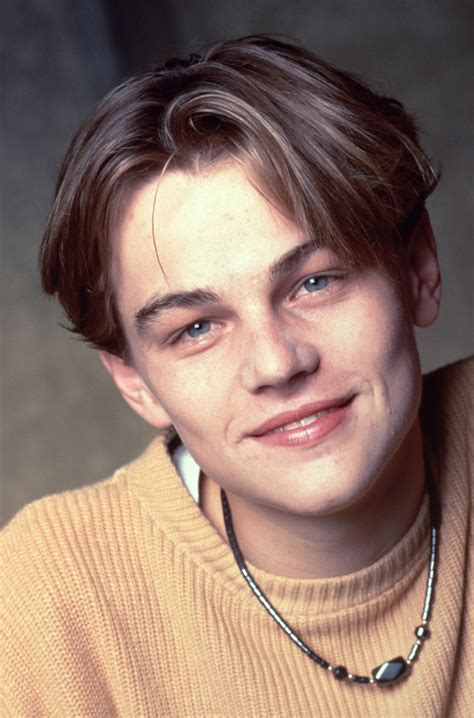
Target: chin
[(333, 495)]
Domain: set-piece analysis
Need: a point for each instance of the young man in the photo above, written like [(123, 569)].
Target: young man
[(243, 237)]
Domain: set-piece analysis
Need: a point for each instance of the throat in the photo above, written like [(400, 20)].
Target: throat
[(312, 547)]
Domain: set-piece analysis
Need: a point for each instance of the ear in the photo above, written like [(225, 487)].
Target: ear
[(135, 391), (424, 275)]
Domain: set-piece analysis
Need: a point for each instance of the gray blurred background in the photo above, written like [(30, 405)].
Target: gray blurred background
[(63, 424)]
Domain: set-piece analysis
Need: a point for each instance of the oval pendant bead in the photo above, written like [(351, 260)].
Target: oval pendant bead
[(390, 671)]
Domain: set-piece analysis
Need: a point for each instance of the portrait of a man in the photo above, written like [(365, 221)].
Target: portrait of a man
[(243, 236)]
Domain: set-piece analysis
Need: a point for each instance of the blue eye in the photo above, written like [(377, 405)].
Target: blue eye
[(198, 328), (313, 284)]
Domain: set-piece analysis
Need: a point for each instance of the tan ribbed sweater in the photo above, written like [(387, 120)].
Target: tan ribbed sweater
[(122, 600)]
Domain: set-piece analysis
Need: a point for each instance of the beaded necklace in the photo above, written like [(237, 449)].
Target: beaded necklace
[(382, 675)]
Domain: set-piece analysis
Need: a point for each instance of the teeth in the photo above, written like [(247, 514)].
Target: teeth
[(302, 422)]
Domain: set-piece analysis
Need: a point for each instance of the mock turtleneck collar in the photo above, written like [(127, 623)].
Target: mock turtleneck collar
[(154, 478)]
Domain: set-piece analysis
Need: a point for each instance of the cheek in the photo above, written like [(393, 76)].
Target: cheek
[(380, 328), (388, 350), (374, 342), (196, 396)]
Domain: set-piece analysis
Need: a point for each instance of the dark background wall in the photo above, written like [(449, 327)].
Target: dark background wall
[(63, 424)]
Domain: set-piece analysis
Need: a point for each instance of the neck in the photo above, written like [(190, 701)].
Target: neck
[(325, 546)]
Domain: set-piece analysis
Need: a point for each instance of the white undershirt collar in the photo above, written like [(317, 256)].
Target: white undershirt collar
[(188, 470)]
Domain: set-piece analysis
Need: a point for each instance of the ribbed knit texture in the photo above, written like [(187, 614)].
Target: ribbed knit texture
[(120, 599)]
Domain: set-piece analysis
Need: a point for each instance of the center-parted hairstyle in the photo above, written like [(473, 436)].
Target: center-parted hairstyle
[(340, 161)]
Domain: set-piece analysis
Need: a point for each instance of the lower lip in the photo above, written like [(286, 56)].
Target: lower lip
[(308, 435)]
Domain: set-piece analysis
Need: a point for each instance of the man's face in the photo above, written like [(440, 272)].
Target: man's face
[(292, 379)]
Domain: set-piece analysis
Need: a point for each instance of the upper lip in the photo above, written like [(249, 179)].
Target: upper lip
[(287, 417)]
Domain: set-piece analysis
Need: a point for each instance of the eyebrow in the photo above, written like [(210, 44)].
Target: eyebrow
[(156, 306), (290, 260)]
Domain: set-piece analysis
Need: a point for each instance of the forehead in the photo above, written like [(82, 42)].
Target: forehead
[(188, 230)]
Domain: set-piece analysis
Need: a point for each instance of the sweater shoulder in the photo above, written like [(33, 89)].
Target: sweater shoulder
[(73, 566), (63, 541), (61, 516), (447, 398), (88, 530), (446, 417), (87, 534), (457, 378), (62, 559)]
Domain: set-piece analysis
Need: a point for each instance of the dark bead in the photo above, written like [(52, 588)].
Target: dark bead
[(390, 671), (340, 672), (361, 679), (422, 632)]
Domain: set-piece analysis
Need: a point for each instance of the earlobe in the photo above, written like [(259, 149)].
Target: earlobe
[(135, 391), (425, 279)]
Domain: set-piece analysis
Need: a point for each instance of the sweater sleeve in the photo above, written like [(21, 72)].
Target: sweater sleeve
[(49, 622)]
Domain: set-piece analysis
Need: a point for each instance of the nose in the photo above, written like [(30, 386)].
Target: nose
[(274, 356)]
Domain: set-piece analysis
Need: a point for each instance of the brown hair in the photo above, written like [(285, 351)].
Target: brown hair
[(339, 160)]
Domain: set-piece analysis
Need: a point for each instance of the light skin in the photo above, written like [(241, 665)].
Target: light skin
[(270, 332)]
